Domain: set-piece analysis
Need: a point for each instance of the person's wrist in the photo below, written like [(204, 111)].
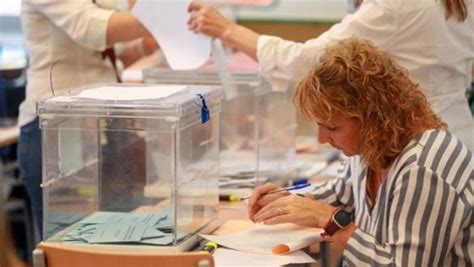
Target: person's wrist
[(329, 214), (227, 35)]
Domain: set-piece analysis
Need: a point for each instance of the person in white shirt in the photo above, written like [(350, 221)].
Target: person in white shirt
[(434, 40), (405, 197), (71, 35)]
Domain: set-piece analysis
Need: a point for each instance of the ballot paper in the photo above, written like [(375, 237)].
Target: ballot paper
[(163, 240), (268, 239), (167, 21), (233, 258), (60, 220), (130, 92), (152, 233), (123, 228), (118, 233)]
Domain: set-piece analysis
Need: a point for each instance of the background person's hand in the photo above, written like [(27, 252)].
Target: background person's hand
[(260, 198), (296, 209), (207, 20)]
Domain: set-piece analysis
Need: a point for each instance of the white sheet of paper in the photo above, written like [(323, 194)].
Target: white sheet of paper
[(167, 22), (131, 76), (229, 258), (131, 92), (263, 238)]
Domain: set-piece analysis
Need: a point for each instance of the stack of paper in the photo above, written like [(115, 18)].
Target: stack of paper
[(60, 220), (263, 245), (268, 239), (122, 228)]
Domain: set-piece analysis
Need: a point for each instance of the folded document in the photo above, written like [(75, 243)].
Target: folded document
[(268, 239)]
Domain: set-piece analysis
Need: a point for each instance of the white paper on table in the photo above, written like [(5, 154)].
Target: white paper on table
[(131, 92), (167, 21), (265, 238), (229, 258)]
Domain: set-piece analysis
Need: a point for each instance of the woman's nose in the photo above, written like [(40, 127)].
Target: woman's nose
[(322, 135)]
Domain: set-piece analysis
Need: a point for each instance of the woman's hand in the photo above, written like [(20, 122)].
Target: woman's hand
[(295, 209), (260, 198), (207, 20)]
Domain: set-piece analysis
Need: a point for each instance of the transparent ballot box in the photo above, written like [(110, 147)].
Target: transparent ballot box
[(104, 145), (257, 124)]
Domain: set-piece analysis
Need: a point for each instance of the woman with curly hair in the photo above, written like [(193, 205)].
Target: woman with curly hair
[(405, 197)]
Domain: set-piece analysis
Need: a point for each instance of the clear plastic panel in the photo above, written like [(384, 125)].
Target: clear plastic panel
[(70, 171)]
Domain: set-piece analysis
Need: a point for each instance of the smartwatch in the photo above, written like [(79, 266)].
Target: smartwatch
[(340, 219)]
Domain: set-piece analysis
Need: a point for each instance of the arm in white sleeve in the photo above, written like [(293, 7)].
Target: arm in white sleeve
[(282, 61), (83, 21), (89, 25)]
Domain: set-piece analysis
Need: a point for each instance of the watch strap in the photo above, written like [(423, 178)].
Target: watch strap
[(331, 226)]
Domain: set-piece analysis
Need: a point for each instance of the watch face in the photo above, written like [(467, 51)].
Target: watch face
[(342, 218)]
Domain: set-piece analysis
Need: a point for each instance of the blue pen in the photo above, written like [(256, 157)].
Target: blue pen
[(297, 181), (289, 188)]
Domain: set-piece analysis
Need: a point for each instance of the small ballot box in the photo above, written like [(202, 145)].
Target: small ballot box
[(104, 145)]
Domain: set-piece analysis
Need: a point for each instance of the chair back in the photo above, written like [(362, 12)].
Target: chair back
[(59, 255)]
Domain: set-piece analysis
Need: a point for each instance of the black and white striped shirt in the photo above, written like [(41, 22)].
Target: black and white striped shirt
[(424, 211)]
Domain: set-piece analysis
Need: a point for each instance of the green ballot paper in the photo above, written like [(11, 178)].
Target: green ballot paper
[(118, 233)]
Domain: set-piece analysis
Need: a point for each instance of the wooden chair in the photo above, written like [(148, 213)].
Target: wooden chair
[(58, 255)]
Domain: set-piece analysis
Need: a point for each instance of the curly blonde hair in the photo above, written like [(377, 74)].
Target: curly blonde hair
[(354, 79)]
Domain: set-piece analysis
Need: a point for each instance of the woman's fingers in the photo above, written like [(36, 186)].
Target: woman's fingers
[(207, 20), (196, 13), (268, 198), (291, 207), (195, 6), (287, 218), (192, 17), (258, 192), (193, 26), (295, 209), (268, 212)]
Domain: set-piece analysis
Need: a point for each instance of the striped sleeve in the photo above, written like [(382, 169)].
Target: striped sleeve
[(426, 215), (337, 192)]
